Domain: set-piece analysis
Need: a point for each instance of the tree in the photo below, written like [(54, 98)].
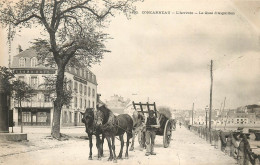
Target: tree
[(74, 30), (7, 75), (21, 92), (49, 88)]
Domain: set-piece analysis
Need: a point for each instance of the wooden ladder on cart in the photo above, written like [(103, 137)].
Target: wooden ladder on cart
[(148, 107)]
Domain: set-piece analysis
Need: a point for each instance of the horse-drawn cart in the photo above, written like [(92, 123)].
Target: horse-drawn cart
[(166, 125)]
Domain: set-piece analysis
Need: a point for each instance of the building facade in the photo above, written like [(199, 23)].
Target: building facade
[(38, 110), (117, 104), (242, 116)]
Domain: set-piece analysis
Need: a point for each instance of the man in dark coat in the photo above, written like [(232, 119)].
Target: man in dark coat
[(151, 125)]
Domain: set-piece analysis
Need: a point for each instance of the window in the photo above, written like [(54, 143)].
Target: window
[(42, 117), (85, 105), (26, 117), (65, 117), (46, 61), (70, 117), (93, 92), (90, 76), (86, 75), (89, 91), (73, 70), (80, 103), (76, 87), (22, 62), (85, 90), (21, 78), (82, 72), (75, 102), (93, 104), (34, 81), (77, 71), (34, 62), (88, 104), (69, 85), (46, 98), (34, 98), (80, 88), (79, 118)]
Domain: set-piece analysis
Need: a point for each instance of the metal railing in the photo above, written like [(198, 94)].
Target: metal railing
[(234, 144)]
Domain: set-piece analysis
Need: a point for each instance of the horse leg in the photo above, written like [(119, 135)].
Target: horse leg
[(114, 149), (110, 149), (98, 144), (133, 141), (101, 145), (90, 147), (122, 146), (127, 144)]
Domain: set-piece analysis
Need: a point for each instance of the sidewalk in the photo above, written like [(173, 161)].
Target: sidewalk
[(39, 138), (191, 149)]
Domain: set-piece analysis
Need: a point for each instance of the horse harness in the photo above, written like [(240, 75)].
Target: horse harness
[(118, 126)]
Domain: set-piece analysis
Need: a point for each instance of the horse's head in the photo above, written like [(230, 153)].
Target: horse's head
[(138, 119), (88, 118), (102, 116), (99, 117)]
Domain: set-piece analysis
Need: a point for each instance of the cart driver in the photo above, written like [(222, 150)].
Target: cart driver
[(151, 125)]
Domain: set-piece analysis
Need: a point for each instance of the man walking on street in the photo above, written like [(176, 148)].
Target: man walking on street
[(151, 125)]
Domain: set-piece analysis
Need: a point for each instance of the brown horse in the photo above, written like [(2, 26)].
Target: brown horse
[(112, 126), (91, 129)]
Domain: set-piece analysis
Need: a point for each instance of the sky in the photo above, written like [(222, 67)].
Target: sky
[(166, 58)]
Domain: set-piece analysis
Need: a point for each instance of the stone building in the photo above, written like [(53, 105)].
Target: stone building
[(39, 109)]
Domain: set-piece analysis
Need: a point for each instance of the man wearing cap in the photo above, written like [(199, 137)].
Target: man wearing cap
[(151, 125)]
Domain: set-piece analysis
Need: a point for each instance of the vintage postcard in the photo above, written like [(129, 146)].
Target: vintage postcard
[(178, 79)]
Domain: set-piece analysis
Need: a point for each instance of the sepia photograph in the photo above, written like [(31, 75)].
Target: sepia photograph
[(131, 82)]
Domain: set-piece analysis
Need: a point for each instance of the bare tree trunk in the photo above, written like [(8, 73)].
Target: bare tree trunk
[(55, 132)]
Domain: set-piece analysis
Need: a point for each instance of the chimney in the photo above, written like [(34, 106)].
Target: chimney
[(19, 49)]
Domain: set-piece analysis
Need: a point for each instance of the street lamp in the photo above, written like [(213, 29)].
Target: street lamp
[(206, 110)]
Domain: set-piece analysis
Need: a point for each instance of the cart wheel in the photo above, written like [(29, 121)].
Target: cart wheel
[(167, 134)]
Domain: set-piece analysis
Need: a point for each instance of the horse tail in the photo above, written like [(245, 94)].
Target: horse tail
[(131, 127)]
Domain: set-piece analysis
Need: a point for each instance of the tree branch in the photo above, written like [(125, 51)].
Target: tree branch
[(113, 7), (72, 8), (76, 20), (67, 45), (99, 16), (27, 19), (43, 16), (53, 20)]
